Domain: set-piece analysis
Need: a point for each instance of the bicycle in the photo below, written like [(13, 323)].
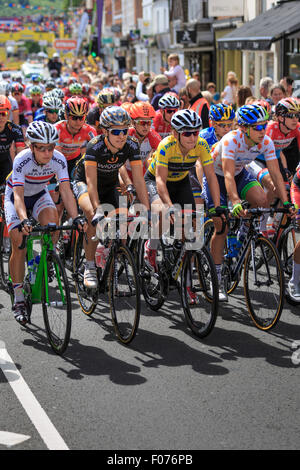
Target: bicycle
[(264, 284), (4, 242), (118, 279), (197, 274), (50, 287)]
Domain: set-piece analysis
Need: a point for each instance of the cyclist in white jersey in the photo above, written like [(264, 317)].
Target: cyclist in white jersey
[(26, 189)]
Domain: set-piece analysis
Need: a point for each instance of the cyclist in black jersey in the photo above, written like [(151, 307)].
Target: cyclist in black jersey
[(106, 97), (96, 178), (9, 133)]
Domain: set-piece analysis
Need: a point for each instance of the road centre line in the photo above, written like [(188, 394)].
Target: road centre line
[(35, 412)]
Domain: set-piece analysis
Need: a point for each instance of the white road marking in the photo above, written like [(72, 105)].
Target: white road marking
[(35, 412), (10, 439)]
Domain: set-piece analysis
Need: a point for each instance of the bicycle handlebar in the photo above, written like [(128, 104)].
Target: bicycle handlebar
[(44, 229)]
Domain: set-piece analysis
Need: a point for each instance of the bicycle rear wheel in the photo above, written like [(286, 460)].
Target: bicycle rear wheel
[(56, 301), (263, 283), (287, 243), (124, 294), (87, 298), (199, 275), (5, 251)]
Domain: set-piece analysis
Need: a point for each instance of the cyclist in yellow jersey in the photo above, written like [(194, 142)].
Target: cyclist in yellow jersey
[(167, 177)]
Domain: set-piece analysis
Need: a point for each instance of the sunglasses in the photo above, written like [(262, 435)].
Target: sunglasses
[(35, 94), (3, 113), (77, 118), (171, 111), (293, 115), (189, 133), (53, 111), (143, 122), (118, 131), (223, 126), (16, 93), (259, 127), (50, 148)]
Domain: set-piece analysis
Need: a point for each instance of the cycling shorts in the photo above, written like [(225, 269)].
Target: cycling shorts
[(180, 192), (244, 181), (109, 197), (36, 204)]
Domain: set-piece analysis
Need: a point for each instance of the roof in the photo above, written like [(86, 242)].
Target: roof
[(259, 33)]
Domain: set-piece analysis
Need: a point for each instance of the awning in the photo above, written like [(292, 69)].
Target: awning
[(258, 34)]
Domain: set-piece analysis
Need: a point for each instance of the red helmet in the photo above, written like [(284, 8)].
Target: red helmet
[(142, 109), (4, 103), (76, 106), (17, 87)]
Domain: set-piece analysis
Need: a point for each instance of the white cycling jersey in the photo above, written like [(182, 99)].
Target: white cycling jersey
[(233, 147), (34, 177)]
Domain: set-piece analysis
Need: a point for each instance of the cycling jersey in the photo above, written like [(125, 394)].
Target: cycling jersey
[(35, 107), (150, 142), (24, 110), (295, 190), (282, 141), (168, 155), (71, 145), (233, 147), (160, 126), (93, 118), (34, 177), (209, 134), (107, 164), (11, 133)]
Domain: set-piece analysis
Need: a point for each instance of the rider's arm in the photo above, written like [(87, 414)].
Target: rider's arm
[(19, 202), (68, 199), (229, 171), (213, 183), (16, 116), (92, 184), (139, 182), (161, 184), (277, 179), (124, 177)]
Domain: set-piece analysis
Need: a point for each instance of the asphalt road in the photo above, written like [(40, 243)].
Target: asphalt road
[(237, 389)]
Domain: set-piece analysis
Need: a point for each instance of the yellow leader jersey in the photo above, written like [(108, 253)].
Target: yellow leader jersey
[(168, 155)]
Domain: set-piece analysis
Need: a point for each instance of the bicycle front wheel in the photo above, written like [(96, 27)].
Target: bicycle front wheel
[(286, 247), (124, 294), (5, 251), (56, 301), (199, 277), (263, 283)]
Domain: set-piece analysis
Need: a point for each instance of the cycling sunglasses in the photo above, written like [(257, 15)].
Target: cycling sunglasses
[(143, 122), (50, 148), (118, 131), (171, 110), (3, 113), (52, 111), (293, 115), (77, 118), (223, 126), (189, 133), (260, 127)]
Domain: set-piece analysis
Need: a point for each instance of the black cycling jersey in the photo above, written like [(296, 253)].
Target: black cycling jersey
[(93, 117), (11, 133), (108, 164)]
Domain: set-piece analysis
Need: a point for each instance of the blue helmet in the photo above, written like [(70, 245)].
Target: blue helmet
[(221, 112), (250, 114)]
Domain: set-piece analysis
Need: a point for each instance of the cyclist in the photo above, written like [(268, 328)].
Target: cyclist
[(50, 85), (96, 178), (75, 89), (294, 282), (51, 107), (26, 189), (5, 89), (222, 118), (25, 112), (36, 79), (167, 177), (36, 100), (234, 151), (105, 98), (168, 105), (10, 134)]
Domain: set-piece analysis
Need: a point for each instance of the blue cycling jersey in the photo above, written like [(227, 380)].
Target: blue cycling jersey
[(209, 135)]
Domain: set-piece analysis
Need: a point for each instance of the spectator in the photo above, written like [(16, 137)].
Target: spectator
[(141, 88), (228, 95), (277, 93), (196, 76), (160, 86), (121, 64), (183, 98), (211, 87), (55, 66), (208, 96), (197, 102), (287, 83), (175, 72), (264, 88), (243, 92)]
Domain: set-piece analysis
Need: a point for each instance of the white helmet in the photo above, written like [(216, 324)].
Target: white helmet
[(51, 102), (168, 100), (42, 133), (186, 120), (4, 88)]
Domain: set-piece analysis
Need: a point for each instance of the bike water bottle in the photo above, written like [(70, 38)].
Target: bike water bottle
[(233, 245), (67, 233), (101, 255), (31, 276), (35, 266)]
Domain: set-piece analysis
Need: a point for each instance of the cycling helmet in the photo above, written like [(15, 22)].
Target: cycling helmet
[(50, 85), (114, 116), (61, 113), (221, 112), (17, 87), (168, 100), (186, 120), (6, 75), (286, 106), (265, 104), (142, 109), (127, 106), (42, 133), (36, 77), (35, 90), (116, 92), (71, 80), (86, 88), (58, 93), (5, 88), (51, 102), (106, 96), (75, 88), (5, 104), (250, 114), (76, 106)]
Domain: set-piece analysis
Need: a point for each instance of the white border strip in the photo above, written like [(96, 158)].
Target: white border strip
[(35, 412)]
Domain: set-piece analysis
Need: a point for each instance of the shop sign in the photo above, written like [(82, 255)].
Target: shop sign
[(220, 8), (186, 37)]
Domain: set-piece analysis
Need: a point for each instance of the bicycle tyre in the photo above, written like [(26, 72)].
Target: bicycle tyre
[(201, 316), (87, 300), (4, 259), (57, 312), (123, 285), (264, 305), (286, 247)]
